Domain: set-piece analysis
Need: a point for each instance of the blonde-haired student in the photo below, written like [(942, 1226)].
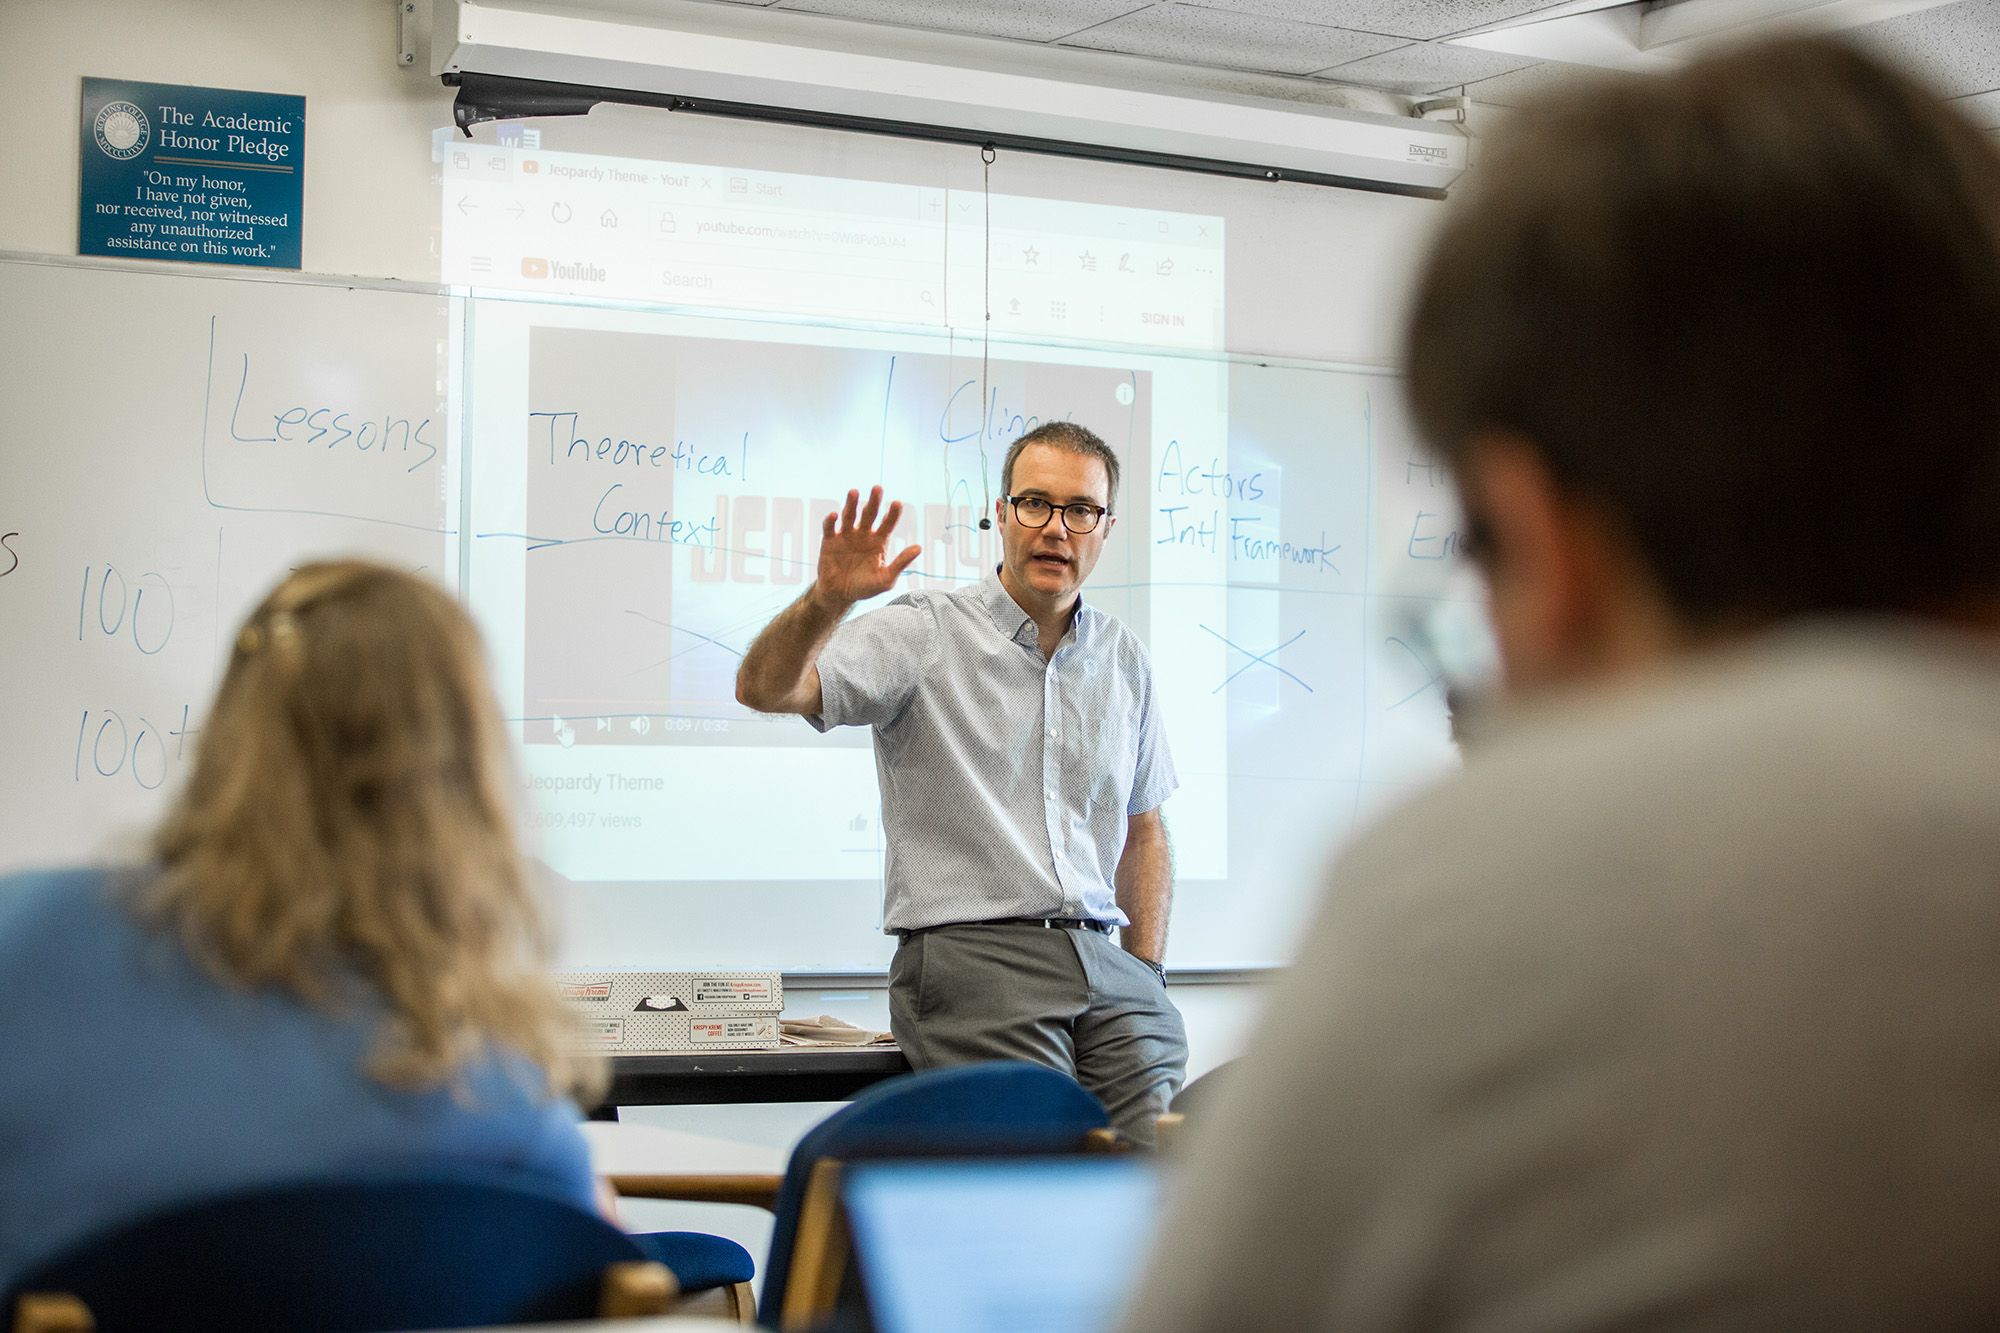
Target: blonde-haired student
[(334, 961)]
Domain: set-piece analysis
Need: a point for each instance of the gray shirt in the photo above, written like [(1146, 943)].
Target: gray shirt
[(1675, 1009), (1006, 780)]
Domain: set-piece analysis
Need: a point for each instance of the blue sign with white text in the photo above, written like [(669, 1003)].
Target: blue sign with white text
[(200, 175)]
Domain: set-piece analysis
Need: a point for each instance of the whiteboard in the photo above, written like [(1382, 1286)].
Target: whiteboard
[(647, 494), (182, 441), (177, 444)]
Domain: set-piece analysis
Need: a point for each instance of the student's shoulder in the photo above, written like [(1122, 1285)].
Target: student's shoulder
[(503, 1108), (1743, 760), (68, 939), (48, 903)]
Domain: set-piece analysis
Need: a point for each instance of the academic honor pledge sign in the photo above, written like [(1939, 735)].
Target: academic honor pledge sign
[(200, 175)]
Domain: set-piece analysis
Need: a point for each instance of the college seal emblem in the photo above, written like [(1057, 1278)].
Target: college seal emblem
[(122, 130)]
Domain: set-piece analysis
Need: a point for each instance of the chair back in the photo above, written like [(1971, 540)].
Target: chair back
[(1199, 1092), (1002, 1108), (344, 1257)]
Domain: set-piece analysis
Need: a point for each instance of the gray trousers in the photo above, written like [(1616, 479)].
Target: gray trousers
[(1068, 999)]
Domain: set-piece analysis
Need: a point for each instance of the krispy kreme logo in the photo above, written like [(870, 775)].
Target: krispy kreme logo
[(586, 990)]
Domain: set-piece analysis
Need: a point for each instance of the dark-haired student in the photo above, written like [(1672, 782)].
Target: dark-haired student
[(1675, 1008)]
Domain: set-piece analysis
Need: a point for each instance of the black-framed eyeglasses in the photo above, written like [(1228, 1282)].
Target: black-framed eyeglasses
[(1032, 511)]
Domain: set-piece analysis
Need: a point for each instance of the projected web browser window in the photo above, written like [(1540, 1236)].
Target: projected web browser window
[(735, 239), (662, 501)]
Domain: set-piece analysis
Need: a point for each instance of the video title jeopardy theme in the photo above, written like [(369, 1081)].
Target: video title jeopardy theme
[(199, 175)]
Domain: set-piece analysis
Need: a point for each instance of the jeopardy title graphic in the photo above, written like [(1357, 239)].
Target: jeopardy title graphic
[(198, 175)]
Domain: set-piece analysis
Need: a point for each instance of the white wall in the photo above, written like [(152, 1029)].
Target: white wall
[(370, 201)]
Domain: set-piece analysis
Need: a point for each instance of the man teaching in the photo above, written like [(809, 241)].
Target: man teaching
[(1023, 763)]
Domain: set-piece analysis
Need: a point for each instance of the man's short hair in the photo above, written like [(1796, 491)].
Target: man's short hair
[(1071, 438), (1750, 311)]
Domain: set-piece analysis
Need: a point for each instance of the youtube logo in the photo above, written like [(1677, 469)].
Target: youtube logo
[(534, 268)]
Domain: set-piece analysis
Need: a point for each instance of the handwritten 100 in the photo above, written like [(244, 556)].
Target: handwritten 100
[(114, 747), (122, 609)]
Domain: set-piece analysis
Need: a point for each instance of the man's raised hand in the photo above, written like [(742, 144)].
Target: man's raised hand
[(854, 550)]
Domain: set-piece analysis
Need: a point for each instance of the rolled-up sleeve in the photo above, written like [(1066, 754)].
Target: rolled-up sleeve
[(1153, 776), (871, 666)]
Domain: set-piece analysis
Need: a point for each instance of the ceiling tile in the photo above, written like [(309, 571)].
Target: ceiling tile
[(1197, 36), (1954, 48), (1421, 19), (1425, 67), (1025, 20), (1982, 109)]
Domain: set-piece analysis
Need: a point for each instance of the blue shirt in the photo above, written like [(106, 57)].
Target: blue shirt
[(1006, 780), (131, 1080)]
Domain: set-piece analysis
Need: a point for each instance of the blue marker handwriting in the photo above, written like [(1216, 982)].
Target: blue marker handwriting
[(1264, 658), (335, 427), (1434, 474), (135, 748), (649, 526), (1207, 528), (1176, 477), (1247, 542), (1433, 676), (123, 611), (1432, 539), (1000, 424), (567, 443)]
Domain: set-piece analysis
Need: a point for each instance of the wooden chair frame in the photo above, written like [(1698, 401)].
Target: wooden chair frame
[(628, 1290), (756, 1191), (821, 1246)]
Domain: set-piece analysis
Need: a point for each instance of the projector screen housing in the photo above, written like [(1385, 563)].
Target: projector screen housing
[(969, 90)]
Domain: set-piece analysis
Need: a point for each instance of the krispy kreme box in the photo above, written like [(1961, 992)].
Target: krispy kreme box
[(657, 1013)]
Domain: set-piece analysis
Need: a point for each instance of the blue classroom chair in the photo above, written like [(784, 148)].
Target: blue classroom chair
[(348, 1256), (1002, 1108)]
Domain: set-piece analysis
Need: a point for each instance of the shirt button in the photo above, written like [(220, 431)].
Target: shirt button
[(1052, 735), (1050, 793)]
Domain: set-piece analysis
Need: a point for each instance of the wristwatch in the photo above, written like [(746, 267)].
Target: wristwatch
[(1159, 969)]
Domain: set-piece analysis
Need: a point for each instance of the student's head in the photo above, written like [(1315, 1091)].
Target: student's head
[(1057, 464), (350, 820), (1716, 349)]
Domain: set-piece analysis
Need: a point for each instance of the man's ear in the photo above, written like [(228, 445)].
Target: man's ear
[(1551, 565)]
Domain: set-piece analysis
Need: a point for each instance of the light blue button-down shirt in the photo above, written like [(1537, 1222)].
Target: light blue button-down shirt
[(1006, 780)]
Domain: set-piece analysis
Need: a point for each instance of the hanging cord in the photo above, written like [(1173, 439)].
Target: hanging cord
[(986, 156)]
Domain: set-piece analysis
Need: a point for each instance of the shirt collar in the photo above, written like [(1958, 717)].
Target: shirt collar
[(1015, 623)]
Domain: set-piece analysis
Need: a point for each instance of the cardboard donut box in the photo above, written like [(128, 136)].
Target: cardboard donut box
[(671, 1013)]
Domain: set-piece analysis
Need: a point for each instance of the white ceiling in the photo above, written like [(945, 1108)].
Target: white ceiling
[(1418, 47)]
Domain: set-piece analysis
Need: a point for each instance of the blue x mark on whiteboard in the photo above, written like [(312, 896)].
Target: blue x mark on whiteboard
[(1263, 658)]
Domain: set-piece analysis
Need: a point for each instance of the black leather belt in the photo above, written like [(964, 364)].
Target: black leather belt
[(1050, 922)]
